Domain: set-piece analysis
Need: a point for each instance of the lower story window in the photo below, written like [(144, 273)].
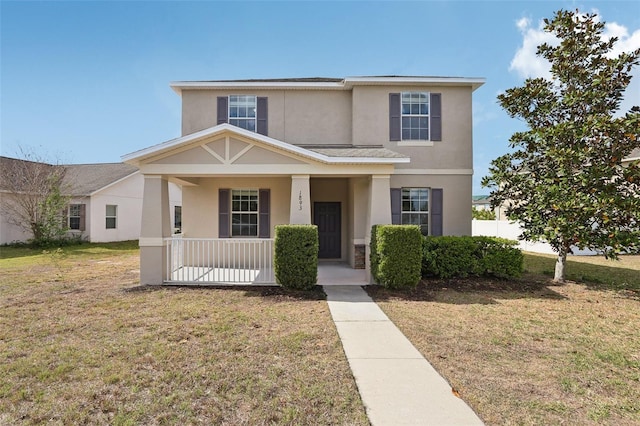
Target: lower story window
[(415, 208), (111, 216), (74, 216), (244, 213)]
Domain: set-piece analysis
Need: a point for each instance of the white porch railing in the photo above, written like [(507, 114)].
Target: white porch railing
[(219, 261)]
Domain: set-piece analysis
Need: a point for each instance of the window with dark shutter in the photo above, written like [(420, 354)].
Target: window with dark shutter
[(262, 116), (394, 117), (436, 211), (223, 109), (436, 116), (264, 225), (396, 206), (223, 213)]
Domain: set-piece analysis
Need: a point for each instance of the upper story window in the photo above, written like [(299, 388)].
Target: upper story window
[(415, 116), (246, 111), (242, 111)]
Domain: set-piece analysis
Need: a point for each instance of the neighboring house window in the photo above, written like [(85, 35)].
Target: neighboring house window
[(415, 116), (415, 208), (246, 111), (111, 216), (242, 111), (76, 217), (177, 218), (244, 213)]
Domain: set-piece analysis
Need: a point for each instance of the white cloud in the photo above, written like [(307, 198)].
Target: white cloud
[(526, 64)]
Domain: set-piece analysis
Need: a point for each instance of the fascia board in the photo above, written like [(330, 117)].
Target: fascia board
[(138, 156), (474, 82), (178, 86)]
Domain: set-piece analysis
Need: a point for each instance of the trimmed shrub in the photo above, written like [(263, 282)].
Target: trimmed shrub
[(296, 256), (398, 252), (447, 257)]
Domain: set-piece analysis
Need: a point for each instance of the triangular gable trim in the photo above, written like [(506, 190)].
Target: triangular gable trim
[(137, 157)]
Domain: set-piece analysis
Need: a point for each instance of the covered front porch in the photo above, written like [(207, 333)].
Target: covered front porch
[(238, 185)]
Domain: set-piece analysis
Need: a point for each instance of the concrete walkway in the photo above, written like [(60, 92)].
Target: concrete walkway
[(397, 384)]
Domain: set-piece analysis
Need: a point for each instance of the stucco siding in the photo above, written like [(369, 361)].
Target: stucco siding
[(200, 203), (456, 208), (371, 126)]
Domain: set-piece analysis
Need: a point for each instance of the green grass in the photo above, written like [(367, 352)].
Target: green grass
[(594, 271), (81, 342)]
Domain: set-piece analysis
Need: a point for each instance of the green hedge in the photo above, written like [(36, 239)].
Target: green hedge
[(296, 256), (446, 257), (397, 255)]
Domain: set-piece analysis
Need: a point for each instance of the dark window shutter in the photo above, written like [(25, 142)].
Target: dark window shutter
[(264, 226), (223, 213), (83, 216), (436, 211), (394, 117), (261, 116), (64, 217), (223, 109), (436, 116), (396, 206)]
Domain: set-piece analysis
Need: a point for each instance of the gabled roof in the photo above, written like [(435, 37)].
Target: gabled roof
[(329, 155), (85, 179), (325, 83), (79, 179)]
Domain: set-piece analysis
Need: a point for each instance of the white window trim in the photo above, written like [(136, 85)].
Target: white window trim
[(69, 217), (416, 142), (232, 212), (115, 217), (254, 118), (428, 212)]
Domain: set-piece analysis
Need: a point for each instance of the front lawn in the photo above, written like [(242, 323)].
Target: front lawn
[(81, 343), (529, 352)]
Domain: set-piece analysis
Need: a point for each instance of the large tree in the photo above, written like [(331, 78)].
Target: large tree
[(34, 197), (564, 180)]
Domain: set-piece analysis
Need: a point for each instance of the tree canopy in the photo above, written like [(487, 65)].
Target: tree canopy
[(565, 180)]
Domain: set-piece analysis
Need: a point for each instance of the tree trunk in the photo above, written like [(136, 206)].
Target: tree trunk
[(560, 263)]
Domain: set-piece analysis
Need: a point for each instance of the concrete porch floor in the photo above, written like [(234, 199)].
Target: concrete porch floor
[(340, 273)]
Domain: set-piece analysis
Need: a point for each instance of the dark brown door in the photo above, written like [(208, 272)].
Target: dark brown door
[(327, 218)]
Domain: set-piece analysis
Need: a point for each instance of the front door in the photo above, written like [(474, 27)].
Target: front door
[(327, 217)]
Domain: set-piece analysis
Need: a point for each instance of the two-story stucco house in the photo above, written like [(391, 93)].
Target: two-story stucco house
[(343, 154)]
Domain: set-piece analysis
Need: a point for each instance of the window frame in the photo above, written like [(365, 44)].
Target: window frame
[(114, 217), (247, 118), (425, 229), (254, 198), (415, 116), (77, 216)]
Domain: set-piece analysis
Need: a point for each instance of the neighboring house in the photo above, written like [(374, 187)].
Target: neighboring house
[(481, 202), (343, 154), (105, 204), (106, 201)]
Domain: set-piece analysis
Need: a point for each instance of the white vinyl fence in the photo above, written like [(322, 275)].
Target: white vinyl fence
[(511, 230)]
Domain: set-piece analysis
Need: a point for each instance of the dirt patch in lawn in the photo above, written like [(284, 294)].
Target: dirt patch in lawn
[(81, 342), (526, 351)]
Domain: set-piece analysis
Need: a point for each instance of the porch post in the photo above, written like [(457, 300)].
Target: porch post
[(156, 225), (300, 210), (379, 211)]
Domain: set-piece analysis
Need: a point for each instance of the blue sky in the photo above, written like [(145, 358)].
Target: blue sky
[(89, 81)]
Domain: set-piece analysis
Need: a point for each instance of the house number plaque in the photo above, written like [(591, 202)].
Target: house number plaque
[(300, 200)]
